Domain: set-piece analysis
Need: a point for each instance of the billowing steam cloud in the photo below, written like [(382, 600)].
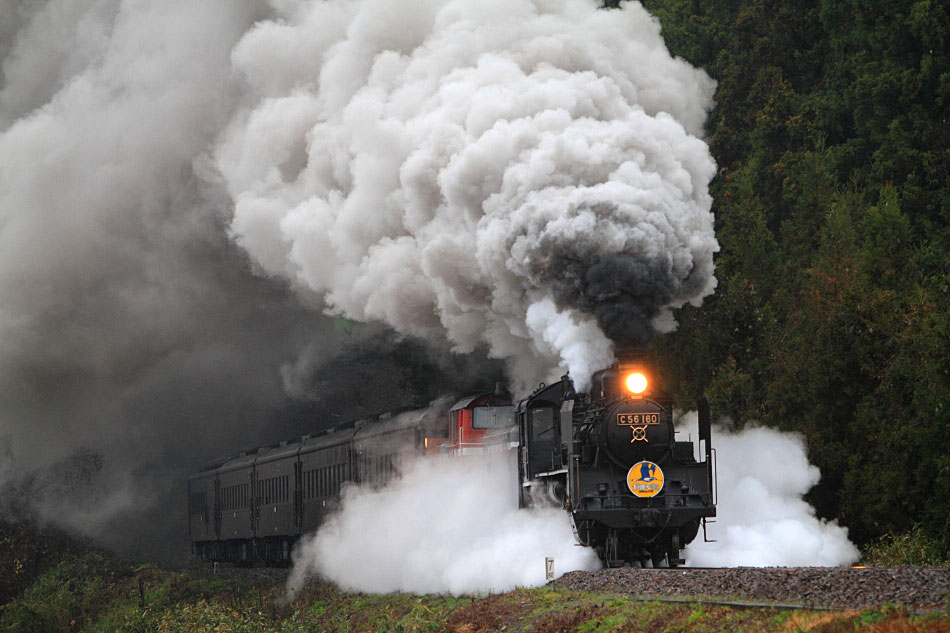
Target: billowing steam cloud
[(447, 526), (524, 174), (135, 341), (762, 519)]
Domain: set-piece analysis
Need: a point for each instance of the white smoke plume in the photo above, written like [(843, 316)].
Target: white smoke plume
[(464, 171), (135, 341), (762, 519), (446, 526), (521, 174)]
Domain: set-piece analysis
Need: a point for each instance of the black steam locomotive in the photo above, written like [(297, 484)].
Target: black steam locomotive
[(609, 457)]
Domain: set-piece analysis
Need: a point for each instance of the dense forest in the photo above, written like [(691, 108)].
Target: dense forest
[(832, 208)]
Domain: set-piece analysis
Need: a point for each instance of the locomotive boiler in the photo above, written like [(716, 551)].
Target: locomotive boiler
[(611, 457)]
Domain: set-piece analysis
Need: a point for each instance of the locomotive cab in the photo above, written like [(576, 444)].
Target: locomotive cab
[(542, 460)]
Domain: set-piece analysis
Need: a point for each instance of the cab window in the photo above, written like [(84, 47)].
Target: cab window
[(542, 423), (493, 417)]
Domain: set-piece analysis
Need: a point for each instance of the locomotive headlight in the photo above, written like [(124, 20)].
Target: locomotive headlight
[(637, 383)]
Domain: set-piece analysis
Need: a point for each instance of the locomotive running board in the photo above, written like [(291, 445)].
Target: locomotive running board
[(537, 476), (551, 473)]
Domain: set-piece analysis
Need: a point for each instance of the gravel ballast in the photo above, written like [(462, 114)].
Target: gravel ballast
[(918, 588), (829, 587)]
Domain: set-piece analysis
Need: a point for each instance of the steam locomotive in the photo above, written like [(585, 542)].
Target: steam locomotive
[(609, 457)]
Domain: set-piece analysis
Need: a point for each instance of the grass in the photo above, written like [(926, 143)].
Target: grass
[(94, 594), (914, 547)]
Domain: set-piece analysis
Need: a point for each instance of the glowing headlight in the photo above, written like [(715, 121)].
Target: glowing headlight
[(637, 382)]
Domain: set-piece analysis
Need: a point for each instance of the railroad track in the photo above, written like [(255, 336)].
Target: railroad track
[(917, 588), (741, 604)]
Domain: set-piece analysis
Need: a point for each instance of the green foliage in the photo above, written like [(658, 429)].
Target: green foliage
[(695, 616), (66, 596), (26, 551), (913, 547), (833, 215)]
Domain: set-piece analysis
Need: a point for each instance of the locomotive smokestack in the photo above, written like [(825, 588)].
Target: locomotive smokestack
[(630, 354), (630, 359)]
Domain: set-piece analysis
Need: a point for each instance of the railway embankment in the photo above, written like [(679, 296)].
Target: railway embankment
[(61, 585), (91, 593)]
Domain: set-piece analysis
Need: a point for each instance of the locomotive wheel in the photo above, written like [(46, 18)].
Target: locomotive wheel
[(659, 551), (674, 554), (612, 550)]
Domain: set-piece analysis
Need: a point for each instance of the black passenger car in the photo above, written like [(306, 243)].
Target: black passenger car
[(253, 506)]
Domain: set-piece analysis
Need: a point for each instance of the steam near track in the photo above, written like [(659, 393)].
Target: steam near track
[(453, 526), (447, 526), (762, 517)]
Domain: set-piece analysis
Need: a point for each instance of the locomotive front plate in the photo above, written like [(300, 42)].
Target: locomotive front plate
[(637, 419)]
